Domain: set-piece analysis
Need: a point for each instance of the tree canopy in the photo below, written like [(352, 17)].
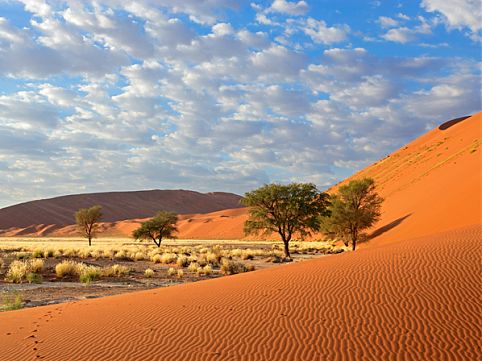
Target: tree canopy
[(163, 225), (285, 209), (353, 209), (87, 221)]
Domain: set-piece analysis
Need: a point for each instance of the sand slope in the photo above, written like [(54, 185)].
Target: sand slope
[(411, 300)]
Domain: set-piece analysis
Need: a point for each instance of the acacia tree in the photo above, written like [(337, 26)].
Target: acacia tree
[(163, 225), (87, 221), (355, 208), (285, 209)]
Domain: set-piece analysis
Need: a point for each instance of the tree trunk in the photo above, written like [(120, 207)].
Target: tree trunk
[(287, 249), (90, 241), (353, 242)]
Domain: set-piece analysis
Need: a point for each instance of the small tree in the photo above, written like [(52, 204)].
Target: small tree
[(285, 209), (163, 225), (355, 208), (87, 221)]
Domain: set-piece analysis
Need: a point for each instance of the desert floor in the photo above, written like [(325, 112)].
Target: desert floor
[(416, 299)]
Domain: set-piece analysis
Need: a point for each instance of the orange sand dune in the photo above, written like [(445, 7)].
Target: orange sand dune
[(116, 206), (411, 300)]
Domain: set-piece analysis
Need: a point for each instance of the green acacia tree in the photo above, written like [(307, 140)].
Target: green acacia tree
[(285, 209), (163, 225), (87, 220), (353, 209)]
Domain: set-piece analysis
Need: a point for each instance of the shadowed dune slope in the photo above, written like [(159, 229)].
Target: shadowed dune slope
[(411, 300), (116, 206)]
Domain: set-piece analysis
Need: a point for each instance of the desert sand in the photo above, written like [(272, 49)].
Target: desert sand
[(411, 300), (411, 293)]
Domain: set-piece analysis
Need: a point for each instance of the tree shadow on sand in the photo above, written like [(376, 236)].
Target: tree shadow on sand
[(386, 227)]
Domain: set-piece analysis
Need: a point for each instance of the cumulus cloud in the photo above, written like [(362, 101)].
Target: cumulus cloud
[(406, 34), (154, 94), (288, 7), (321, 33), (457, 13)]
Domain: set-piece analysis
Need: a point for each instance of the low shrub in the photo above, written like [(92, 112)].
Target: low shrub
[(88, 274), (232, 267), (37, 253), (247, 254), (22, 255), (35, 265), (48, 253), (34, 278), (182, 261), (180, 273), (66, 268), (17, 271), (156, 258), (168, 258), (213, 258), (148, 273), (207, 270), (171, 271), (116, 270), (139, 256), (122, 256), (193, 266), (12, 302)]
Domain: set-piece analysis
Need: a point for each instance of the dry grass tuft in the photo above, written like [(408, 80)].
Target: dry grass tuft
[(232, 267), (116, 270), (148, 273), (66, 268)]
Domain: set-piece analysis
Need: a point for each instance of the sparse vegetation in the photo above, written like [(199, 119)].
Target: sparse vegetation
[(11, 301), (355, 208), (285, 209), (111, 259), (148, 273), (66, 268), (87, 220), (232, 267), (19, 270), (163, 225), (116, 270)]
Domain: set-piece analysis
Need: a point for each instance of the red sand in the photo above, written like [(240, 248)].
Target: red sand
[(412, 300)]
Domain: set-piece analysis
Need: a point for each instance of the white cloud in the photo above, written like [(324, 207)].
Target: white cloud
[(287, 7), (406, 34), (321, 33), (387, 22), (457, 13)]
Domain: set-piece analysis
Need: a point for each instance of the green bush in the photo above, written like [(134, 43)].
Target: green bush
[(34, 278), (12, 302)]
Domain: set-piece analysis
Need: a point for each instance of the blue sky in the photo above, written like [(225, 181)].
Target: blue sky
[(222, 95)]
